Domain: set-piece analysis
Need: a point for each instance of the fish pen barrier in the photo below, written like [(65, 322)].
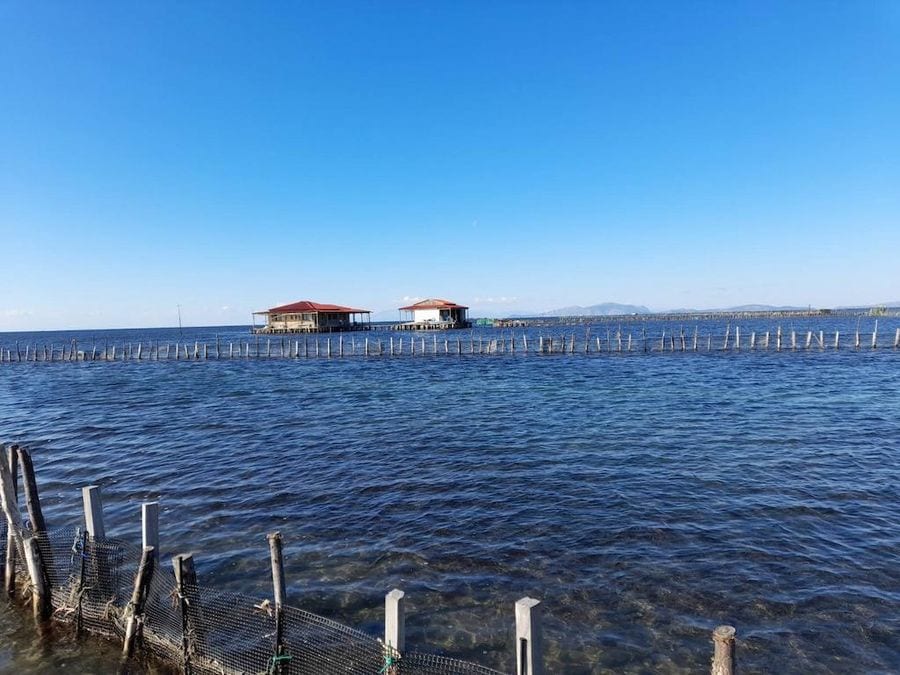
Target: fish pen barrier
[(732, 340), (162, 615)]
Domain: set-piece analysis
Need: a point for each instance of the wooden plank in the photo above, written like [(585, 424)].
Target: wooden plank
[(395, 621), (93, 511), (529, 655), (150, 526)]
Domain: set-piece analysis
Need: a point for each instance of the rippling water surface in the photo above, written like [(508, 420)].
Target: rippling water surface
[(644, 498)]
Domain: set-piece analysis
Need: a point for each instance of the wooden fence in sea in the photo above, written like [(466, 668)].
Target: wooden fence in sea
[(106, 586), (732, 340)]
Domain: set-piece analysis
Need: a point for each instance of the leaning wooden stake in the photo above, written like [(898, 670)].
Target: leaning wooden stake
[(32, 499), (135, 609), (723, 656), (10, 503), (40, 586), (279, 658), (529, 656)]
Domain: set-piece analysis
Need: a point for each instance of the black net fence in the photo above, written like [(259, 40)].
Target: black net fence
[(199, 630)]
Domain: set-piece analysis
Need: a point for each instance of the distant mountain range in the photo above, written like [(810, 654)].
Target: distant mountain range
[(616, 309), (603, 309)]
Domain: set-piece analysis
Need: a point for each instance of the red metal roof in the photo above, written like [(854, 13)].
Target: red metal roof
[(310, 306), (434, 303)]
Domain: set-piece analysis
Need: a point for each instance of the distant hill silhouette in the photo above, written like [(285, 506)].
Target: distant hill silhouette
[(603, 309)]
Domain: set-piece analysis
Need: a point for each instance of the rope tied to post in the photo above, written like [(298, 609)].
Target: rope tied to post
[(276, 661), (389, 662)]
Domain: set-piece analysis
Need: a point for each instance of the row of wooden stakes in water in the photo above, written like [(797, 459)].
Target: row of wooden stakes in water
[(412, 346), (528, 611)]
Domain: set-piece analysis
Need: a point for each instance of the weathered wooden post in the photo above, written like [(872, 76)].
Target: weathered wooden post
[(524, 343), (529, 656), (189, 605), (40, 586), (897, 339), (150, 526), (341, 346), (275, 553), (727, 335), (37, 568), (808, 339), (753, 340), (93, 511), (875, 335), (737, 338), (778, 340), (394, 628), (134, 612), (723, 662), (9, 459), (837, 338)]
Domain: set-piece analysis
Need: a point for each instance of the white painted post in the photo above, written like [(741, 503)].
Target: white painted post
[(395, 621), (529, 657), (837, 338), (875, 335), (93, 511), (150, 526), (897, 339)]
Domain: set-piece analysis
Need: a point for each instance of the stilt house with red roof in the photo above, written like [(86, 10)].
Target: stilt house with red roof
[(307, 316), (434, 314)]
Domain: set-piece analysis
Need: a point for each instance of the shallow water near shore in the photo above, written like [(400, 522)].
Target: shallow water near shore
[(644, 498)]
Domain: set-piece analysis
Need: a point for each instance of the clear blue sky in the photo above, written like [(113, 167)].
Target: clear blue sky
[(513, 156)]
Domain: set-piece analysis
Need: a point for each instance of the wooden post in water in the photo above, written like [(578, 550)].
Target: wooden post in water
[(778, 339), (662, 341), (753, 340), (837, 338), (524, 343), (856, 344), (723, 662), (875, 335), (529, 655), (29, 485), (9, 493), (737, 338), (727, 335), (280, 592), (541, 344), (150, 526), (394, 624), (808, 339), (134, 612), (93, 511), (40, 587), (37, 568), (186, 593), (897, 339)]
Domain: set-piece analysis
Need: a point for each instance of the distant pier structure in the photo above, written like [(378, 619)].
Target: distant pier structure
[(307, 316), (434, 314)]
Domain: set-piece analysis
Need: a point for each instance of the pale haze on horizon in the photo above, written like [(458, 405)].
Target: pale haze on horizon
[(513, 157)]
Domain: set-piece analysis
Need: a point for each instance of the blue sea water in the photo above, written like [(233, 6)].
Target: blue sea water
[(644, 498)]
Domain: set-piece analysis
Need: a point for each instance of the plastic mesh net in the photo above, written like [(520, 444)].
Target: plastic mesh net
[(201, 630)]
